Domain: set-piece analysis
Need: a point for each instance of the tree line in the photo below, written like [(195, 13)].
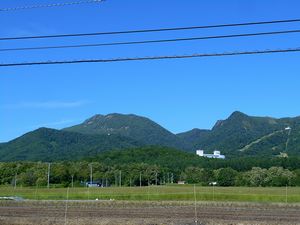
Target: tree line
[(64, 174)]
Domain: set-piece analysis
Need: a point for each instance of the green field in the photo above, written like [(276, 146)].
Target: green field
[(161, 193)]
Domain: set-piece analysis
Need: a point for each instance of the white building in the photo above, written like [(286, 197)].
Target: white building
[(93, 184), (215, 155), (181, 182)]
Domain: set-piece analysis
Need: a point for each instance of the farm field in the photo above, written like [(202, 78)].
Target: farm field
[(155, 205), (82, 212), (161, 193)]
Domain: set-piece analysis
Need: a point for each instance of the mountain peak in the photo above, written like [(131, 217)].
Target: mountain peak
[(235, 116), (238, 114), (100, 117), (136, 127), (93, 119)]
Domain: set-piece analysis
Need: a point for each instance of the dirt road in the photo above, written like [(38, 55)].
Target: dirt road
[(113, 212)]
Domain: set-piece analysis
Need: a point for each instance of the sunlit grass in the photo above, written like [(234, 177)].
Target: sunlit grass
[(161, 193)]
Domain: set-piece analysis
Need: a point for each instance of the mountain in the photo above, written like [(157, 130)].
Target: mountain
[(194, 136), (239, 135), (50, 145), (139, 128), (242, 135)]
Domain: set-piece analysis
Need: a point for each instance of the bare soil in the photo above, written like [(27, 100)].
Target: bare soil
[(145, 213)]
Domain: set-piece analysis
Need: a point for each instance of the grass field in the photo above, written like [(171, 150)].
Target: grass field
[(161, 193)]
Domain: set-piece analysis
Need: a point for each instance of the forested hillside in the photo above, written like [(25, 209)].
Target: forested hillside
[(54, 145), (243, 135), (155, 165), (238, 136)]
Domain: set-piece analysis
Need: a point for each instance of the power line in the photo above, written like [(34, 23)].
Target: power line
[(150, 30), (50, 5), (197, 55), (151, 41)]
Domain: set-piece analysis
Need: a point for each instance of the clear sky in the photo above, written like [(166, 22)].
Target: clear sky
[(178, 94)]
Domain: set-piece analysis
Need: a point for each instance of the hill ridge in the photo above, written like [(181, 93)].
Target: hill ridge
[(260, 136)]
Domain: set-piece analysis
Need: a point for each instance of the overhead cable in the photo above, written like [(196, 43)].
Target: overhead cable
[(50, 5), (150, 30), (197, 55), (150, 41)]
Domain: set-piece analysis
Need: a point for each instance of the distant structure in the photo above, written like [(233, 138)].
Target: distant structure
[(181, 182), (93, 184), (215, 155)]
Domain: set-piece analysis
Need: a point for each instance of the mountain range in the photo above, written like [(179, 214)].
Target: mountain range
[(238, 135)]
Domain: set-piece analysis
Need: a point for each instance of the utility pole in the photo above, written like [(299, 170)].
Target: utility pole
[(120, 178), (72, 181), (91, 174), (140, 179), (48, 176), (156, 178), (15, 183), (16, 176)]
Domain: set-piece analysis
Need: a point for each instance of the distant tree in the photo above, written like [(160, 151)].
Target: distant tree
[(193, 175), (277, 176), (296, 179), (255, 177), (27, 178), (226, 176), (197, 175)]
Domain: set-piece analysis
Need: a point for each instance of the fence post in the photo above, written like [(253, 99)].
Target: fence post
[(286, 194), (195, 205), (66, 209)]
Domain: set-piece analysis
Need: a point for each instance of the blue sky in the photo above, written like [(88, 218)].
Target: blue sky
[(178, 94)]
